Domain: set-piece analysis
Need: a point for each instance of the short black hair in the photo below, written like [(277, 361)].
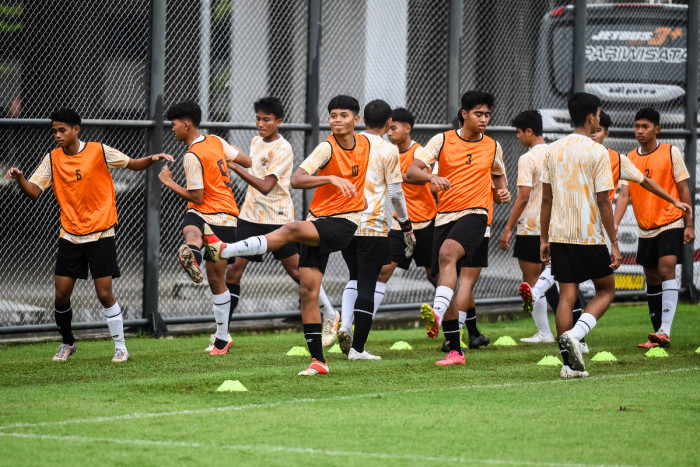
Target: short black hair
[(377, 113), (344, 102), (269, 105), (581, 105), (402, 114), (529, 119), (460, 117), (66, 115), (471, 99), (650, 114), (185, 110), (605, 120)]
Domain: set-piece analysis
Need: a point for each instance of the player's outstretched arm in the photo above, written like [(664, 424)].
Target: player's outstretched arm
[(623, 200), (31, 190), (303, 180), (263, 185), (417, 174), (652, 187), (518, 208), (606, 215), (193, 196), (242, 159), (146, 162)]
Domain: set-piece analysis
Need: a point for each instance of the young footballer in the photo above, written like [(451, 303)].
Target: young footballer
[(664, 224), (83, 186), (334, 214), (209, 200)]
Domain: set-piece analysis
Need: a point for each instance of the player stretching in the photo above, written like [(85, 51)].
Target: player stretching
[(468, 160), (576, 178), (268, 205), (368, 251), (209, 200), (334, 214), (79, 173), (663, 226)]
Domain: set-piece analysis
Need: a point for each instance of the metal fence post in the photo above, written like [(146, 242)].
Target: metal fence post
[(156, 324), (579, 66), (453, 70), (313, 86), (691, 146)]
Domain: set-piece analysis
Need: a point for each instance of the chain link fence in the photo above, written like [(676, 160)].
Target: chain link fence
[(226, 54)]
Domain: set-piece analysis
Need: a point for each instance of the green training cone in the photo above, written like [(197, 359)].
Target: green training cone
[(505, 340), (604, 357), (297, 351), (657, 352), (335, 349), (401, 345), (697, 350), (549, 360), (232, 386)]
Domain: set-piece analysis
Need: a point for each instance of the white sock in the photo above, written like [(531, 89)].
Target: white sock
[(669, 301), (326, 308), (348, 307), (583, 326), (539, 316), (221, 305), (379, 292), (249, 247), (543, 284), (462, 319), (115, 322), (443, 297)]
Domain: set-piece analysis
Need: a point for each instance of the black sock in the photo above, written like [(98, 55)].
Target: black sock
[(552, 296), (654, 301), (564, 355), (197, 253), (450, 328), (577, 311), (64, 316), (363, 324), (312, 333), (220, 344), (235, 291), (470, 322)]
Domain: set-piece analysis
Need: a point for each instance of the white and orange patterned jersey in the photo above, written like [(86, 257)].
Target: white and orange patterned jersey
[(529, 174), (577, 168), (274, 158)]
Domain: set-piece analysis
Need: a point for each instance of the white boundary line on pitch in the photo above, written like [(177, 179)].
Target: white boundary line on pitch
[(264, 405), (295, 450)]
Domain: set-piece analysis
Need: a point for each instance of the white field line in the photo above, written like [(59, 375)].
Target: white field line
[(264, 405), (296, 450)]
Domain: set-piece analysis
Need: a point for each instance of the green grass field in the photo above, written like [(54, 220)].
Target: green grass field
[(162, 407)]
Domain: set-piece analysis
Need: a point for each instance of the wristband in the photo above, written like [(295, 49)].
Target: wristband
[(406, 225)]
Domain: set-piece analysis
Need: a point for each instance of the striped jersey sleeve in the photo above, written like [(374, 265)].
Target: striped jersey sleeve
[(317, 159)]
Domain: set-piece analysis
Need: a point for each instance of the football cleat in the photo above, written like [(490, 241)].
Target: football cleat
[(567, 372), (660, 338), (223, 351), (647, 345), (212, 338), (584, 347), (364, 355), (525, 292), (538, 338), (345, 339), (121, 355), (571, 344), (476, 341), (452, 358), (64, 351), (316, 368), (330, 330), (432, 321), (189, 263), (213, 244)]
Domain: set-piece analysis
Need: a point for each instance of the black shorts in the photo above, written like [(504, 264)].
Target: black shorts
[(422, 253), (527, 248), (73, 259), (468, 231), (667, 243), (247, 229), (335, 234), (579, 263), (480, 258), (364, 253), (225, 234)]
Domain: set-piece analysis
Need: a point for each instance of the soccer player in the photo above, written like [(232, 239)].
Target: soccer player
[(663, 224), (368, 251), (268, 205), (84, 189), (420, 204), (468, 163), (334, 215), (576, 178), (209, 200)]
